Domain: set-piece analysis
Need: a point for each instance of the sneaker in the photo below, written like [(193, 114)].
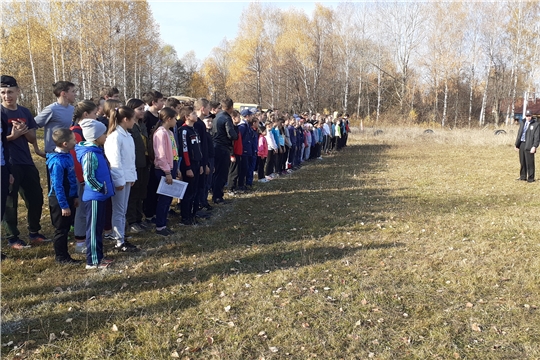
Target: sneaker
[(268, 178), (38, 238), (164, 232), (231, 193), (187, 222), (263, 180), (68, 261), (102, 265), (206, 207), (126, 247), (80, 248), (108, 236), (150, 221), (18, 244), (135, 228), (172, 212), (143, 225)]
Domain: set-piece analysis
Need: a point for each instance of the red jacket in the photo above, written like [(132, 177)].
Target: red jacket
[(77, 131), (237, 145)]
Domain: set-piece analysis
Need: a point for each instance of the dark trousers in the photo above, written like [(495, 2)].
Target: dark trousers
[(260, 166), (298, 155), (251, 164), (234, 172), (201, 190), (188, 205), (136, 197), (108, 215), (62, 224), (270, 161), (292, 154), (326, 143), (222, 162), (150, 203), (163, 202), (203, 201), (27, 183), (5, 188), (526, 159), (242, 171), (95, 222), (284, 158)]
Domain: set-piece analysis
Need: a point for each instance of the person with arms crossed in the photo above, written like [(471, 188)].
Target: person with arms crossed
[(21, 130)]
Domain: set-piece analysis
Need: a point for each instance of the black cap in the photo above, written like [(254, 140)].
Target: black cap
[(8, 81), (528, 113)]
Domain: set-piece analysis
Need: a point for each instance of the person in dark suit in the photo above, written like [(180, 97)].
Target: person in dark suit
[(527, 141)]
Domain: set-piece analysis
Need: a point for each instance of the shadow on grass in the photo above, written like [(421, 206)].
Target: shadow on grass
[(257, 263), (83, 323), (313, 203)]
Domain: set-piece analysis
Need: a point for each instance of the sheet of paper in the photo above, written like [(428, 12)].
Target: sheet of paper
[(175, 190)]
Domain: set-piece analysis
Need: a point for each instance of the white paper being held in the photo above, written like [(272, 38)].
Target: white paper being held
[(176, 190)]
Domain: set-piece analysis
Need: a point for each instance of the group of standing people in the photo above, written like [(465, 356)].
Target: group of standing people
[(105, 161)]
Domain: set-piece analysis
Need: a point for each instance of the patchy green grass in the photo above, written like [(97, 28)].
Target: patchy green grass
[(404, 245)]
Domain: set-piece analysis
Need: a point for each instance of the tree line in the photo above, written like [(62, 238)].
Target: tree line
[(453, 63)]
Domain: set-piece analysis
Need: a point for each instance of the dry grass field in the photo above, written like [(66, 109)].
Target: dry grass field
[(404, 246)]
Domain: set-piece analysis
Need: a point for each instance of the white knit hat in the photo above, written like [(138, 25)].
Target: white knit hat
[(92, 129)]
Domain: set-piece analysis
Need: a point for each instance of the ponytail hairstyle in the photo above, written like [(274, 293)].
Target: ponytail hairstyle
[(118, 115), (165, 114), (109, 106), (82, 107)]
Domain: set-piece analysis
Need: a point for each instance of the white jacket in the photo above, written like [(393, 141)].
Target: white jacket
[(120, 152)]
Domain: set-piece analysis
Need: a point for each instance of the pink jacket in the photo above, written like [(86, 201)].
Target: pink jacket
[(163, 149), (262, 152)]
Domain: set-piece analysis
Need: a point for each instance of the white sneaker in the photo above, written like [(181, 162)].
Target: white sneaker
[(263, 180)]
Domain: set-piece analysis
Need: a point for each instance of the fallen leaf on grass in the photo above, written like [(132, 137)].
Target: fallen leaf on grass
[(364, 302), (114, 328), (52, 337), (305, 325), (227, 308), (475, 327), (469, 305), (273, 349), (69, 320), (175, 355), (210, 340)]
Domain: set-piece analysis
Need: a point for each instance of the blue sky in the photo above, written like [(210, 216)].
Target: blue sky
[(201, 26)]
